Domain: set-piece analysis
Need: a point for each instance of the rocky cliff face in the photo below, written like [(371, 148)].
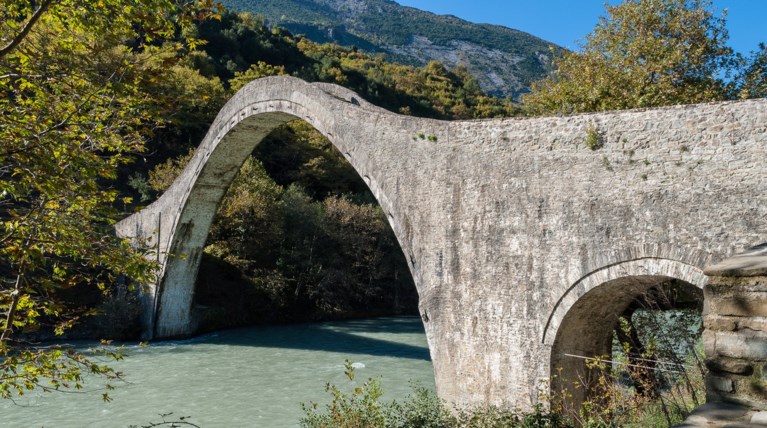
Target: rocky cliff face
[(504, 61)]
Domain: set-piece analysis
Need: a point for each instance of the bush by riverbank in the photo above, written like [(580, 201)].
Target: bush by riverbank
[(363, 407), (611, 405)]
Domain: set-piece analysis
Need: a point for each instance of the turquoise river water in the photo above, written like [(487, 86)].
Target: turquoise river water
[(250, 377)]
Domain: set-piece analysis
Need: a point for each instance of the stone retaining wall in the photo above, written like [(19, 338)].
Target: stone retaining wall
[(735, 335)]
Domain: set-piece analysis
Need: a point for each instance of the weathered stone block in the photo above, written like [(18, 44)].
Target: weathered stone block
[(750, 263), (717, 414), (751, 346), (709, 342), (729, 285), (728, 365), (721, 384), (719, 323), (755, 324), (759, 418), (741, 305), (737, 294)]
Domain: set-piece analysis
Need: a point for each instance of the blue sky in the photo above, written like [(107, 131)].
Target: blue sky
[(565, 21)]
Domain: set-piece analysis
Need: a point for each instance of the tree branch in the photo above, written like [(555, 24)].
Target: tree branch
[(16, 296), (26, 29)]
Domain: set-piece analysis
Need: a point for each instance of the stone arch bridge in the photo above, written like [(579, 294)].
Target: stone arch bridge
[(524, 243)]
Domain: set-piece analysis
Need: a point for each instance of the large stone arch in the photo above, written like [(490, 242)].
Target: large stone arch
[(176, 225)]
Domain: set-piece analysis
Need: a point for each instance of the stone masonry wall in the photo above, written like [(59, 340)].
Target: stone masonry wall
[(735, 322)]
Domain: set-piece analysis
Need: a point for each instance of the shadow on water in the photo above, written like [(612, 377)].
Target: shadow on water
[(348, 337), (398, 325)]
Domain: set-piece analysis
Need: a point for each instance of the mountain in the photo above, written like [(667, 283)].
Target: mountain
[(504, 61)]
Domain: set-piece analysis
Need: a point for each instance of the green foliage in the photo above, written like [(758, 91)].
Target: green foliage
[(360, 408), (256, 71), (611, 403), (421, 409), (430, 91), (298, 153), (497, 417), (54, 368), (250, 220), (644, 53), (163, 175), (235, 42), (753, 76), (194, 97), (241, 48), (594, 139), (74, 105), (140, 184), (363, 407)]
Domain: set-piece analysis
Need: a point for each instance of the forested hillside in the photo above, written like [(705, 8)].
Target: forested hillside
[(505, 61)]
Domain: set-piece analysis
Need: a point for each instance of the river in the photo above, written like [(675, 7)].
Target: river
[(249, 377)]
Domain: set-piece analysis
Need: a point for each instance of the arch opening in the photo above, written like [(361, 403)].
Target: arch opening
[(630, 336), (299, 236), (174, 228)]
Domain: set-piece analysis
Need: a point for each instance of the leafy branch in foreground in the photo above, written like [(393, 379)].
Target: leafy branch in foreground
[(74, 107), (55, 368)]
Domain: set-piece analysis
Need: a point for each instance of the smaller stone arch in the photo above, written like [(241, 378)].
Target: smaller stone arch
[(582, 324), (655, 260)]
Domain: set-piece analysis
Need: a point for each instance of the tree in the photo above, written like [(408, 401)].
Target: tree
[(74, 107), (644, 53), (753, 77)]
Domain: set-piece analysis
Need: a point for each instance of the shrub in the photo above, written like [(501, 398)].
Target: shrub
[(594, 139), (362, 408)]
